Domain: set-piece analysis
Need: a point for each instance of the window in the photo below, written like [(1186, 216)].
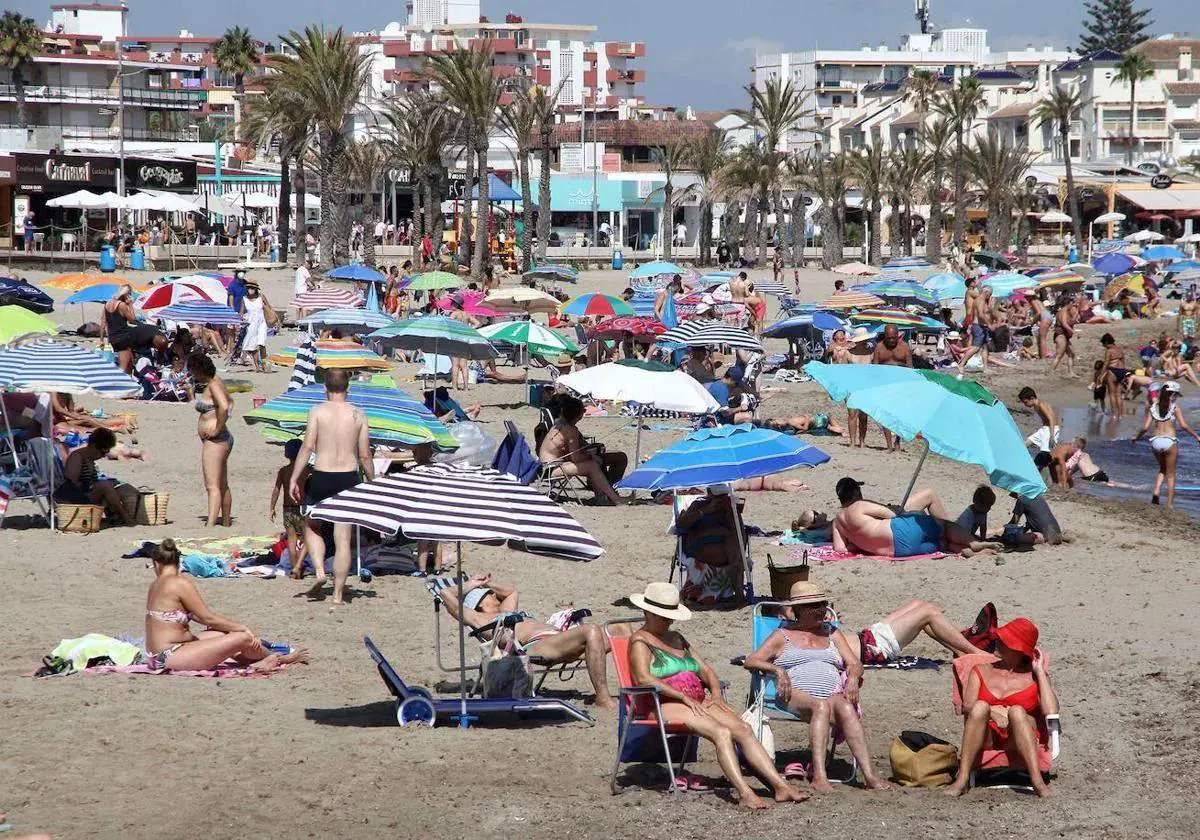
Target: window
[(836, 100), (895, 73), (829, 75)]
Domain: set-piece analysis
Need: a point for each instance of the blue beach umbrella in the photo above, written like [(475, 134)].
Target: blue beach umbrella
[(357, 272), (900, 291), (1183, 265), (1158, 253), (46, 364), (946, 285), (656, 269), (198, 312), (1006, 284), (94, 294), (957, 419), (720, 455), (1114, 264), (348, 319), (907, 263)]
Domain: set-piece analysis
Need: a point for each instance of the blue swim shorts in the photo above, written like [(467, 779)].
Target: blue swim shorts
[(916, 533)]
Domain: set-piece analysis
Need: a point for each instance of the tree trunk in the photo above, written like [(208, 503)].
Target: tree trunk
[(18, 78), (483, 233), (994, 222), (1132, 122), (543, 217), (831, 237), (466, 229), (895, 223), (933, 225), (330, 218), (704, 238), (435, 220), (906, 227), (369, 217), (300, 186), (668, 223), (960, 189), (523, 163), (285, 203), (875, 239), (799, 230), (764, 210), (1072, 197)]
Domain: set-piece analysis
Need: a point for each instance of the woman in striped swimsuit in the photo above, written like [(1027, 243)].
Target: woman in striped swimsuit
[(817, 673)]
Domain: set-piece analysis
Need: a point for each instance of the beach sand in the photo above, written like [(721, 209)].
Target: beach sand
[(315, 751)]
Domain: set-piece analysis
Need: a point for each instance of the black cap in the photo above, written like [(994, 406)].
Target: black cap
[(847, 488)]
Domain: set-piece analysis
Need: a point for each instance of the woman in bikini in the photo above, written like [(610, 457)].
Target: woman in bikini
[(1044, 323), (216, 441), (690, 693), (1064, 330), (1174, 367), (173, 603), (1002, 701), (1166, 418), (817, 675)]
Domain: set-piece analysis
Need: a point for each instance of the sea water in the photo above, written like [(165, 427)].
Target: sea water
[(1128, 462)]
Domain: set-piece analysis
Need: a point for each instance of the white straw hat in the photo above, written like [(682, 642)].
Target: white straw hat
[(661, 599)]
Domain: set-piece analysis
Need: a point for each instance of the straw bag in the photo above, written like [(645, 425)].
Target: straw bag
[(271, 316), (78, 519), (922, 760), (782, 577), (147, 506)]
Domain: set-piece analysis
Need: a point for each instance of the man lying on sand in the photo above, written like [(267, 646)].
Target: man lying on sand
[(480, 600), (870, 528)]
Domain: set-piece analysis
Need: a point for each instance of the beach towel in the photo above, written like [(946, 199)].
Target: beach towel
[(909, 663), (204, 566), (73, 655), (223, 672), (827, 554), (804, 538), (304, 369)]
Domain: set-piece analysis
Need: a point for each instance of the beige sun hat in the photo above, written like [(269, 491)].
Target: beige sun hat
[(806, 592), (859, 334), (661, 599)]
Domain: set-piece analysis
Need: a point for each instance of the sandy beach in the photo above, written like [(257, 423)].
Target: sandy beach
[(315, 751)]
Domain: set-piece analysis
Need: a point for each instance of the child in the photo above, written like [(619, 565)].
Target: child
[(1045, 437), (1026, 352), (293, 518), (973, 519), (1099, 389)]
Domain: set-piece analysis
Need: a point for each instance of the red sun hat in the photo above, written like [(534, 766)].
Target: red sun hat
[(1020, 635)]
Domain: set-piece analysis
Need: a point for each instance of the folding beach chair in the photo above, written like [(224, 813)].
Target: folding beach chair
[(1004, 768), (416, 705), (38, 477), (548, 477), (762, 689), (703, 585)]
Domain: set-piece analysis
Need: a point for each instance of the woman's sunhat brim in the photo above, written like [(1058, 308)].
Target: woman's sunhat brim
[(677, 613)]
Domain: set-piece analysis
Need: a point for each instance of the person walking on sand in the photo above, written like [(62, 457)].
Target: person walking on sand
[(1167, 418), (337, 433), (983, 321)]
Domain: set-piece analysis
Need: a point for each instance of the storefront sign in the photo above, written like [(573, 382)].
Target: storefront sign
[(1086, 193), (64, 173), (179, 176), (1161, 182), (8, 169)]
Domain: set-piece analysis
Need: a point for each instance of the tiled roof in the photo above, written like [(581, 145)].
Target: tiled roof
[(911, 118), (1017, 109), (998, 75), (1167, 49), (1185, 124), (1182, 88)]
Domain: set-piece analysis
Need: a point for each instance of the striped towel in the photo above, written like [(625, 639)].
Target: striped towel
[(6, 494), (304, 369)]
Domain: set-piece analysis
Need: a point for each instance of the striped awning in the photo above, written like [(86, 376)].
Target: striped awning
[(461, 503)]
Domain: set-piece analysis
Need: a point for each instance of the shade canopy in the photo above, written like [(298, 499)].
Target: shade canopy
[(357, 272), (432, 281), (596, 304), (436, 334), (348, 319), (199, 312), (326, 298), (668, 390), (497, 190), (335, 353), (46, 364), (697, 333), (534, 338), (656, 269)]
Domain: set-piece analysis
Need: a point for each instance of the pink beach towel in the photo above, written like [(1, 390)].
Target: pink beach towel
[(228, 672), (827, 554)]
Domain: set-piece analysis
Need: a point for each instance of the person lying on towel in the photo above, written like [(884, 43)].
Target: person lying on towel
[(922, 527), (480, 600)]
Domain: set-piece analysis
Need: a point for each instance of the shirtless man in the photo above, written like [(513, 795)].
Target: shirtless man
[(1045, 438), (983, 321), (337, 433), (1064, 331), (1115, 371), (737, 294), (892, 350), (485, 599), (870, 528), (1186, 320), (565, 447)]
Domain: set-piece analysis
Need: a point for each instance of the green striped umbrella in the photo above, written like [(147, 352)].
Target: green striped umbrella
[(432, 281), (536, 339)]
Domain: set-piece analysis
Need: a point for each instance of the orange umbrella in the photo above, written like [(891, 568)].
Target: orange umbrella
[(851, 300), (77, 281)]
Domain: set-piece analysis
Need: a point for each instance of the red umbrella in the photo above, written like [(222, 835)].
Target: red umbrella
[(624, 325), (166, 294), (1154, 217)]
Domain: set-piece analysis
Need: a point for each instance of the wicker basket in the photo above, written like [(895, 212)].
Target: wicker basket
[(782, 577), (78, 519), (152, 508)]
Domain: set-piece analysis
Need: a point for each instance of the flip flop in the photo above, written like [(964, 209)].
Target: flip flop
[(796, 770), (691, 782)]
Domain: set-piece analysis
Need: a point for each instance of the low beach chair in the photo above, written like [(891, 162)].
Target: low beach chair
[(697, 581), (1004, 768), (416, 705), (38, 477), (762, 689)]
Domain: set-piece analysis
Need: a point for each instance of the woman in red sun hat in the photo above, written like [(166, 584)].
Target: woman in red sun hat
[(1002, 702)]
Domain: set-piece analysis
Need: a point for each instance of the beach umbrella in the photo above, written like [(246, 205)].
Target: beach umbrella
[(855, 268), (48, 364), (1145, 236), (470, 300), (957, 419), (552, 272), (357, 272), (1109, 218), (335, 353), (216, 288), (851, 300), (1059, 280), (348, 319), (78, 200), (1192, 237), (1182, 266), (100, 293), (199, 312), (1007, 284), (623, 325), (438, 335), (1161, 253), (801, 326), (167, 294), (17, 292), (1082, 269), (393, 417), (900, 291), (722, 455), (1114, 264), (770, 287), (17, 321), (697, 333), (946, 286), (75, 282), (896, 317), (325, 298), (992, 260), (521, 299), (657, 268), (713, 278), (434, 281), (907, 263), (1055, 217), (534, 338), (1133, 282), (594, 303)]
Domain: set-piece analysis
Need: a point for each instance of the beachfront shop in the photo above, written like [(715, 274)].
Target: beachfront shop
[(572, 201)]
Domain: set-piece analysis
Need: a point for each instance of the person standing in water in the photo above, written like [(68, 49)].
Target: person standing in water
[(1166, 418)]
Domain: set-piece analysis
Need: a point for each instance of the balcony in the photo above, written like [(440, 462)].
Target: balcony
[(500, 46), (589, 78), (397, 49), (402, 77), (542, 76), (627, 49), (508, 71), (628, 77), (186, 99), (91, 132)]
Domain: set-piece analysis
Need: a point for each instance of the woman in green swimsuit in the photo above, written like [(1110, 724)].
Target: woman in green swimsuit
[(690, 693)]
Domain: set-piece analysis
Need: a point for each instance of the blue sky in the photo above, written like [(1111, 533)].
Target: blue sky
[(698, 51)]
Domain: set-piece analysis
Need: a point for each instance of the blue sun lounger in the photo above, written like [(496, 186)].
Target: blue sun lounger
[(416, 705)]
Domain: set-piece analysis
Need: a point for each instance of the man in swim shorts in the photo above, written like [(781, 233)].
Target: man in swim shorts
[(870, 528)]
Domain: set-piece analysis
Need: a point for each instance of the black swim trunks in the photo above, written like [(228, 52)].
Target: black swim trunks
[(321, 485)]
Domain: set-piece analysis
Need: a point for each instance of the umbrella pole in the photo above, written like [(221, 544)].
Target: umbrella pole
[(912, 483), (637, 452), (464, 720), (744, 545), (12, 443)]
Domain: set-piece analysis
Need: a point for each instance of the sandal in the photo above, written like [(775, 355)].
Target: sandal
[(690, 782), (796, 770)]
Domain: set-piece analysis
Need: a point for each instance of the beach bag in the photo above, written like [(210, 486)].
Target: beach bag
[(507, 678), (922, 760), (752, 716), (272, 317)]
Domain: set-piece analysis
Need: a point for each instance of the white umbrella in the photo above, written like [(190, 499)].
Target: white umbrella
[(80, 200), (1054, 217), (1145, 236), (1109, 217), (1195, 237), (256, 200)]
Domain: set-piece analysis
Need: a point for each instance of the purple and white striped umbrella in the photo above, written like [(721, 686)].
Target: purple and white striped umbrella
[(198, 312), (460, 503)]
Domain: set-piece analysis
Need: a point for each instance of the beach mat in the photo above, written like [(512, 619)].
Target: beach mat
[(221, 673), (827, 554)]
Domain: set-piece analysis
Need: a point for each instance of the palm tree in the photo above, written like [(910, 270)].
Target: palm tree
[(869, 169), (523, 118), (419, 129), (672, 157), (829, 179), (936, 137), (797, 172), (707, 157), (1061, 108), (998, 169), (740, 180), (20, 42), (465, 78), (367, 162), (545, 102), (326, 76), (960, 106), (236, 54), (277, 118), (1133, 67), (909, 168), (921, 88)]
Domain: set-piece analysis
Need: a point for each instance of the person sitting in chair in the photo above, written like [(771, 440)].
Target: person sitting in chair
[(81, 485), (480, 600), (564, 447)]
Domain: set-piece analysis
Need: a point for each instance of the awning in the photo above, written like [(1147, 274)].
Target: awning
[(1168, 201), (576, 194)]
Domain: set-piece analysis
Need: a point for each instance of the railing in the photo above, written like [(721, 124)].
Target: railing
[(134, 96), (92, 132)]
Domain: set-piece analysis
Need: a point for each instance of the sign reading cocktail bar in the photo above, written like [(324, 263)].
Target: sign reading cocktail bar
[(64, 173)]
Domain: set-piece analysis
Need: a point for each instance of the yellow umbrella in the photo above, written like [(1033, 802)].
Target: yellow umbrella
[(17, 321), (75, 282), (1134, 282)]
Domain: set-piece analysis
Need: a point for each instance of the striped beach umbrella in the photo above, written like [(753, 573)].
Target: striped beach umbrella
[(594, 304), (657, 268), (393, 417), (76, 281), (899, 291), (199, 312), (520, 299), (168, 294), (462, 503), (326, 298), (851, 300), (46, 364), (434, 281), (907, 263), (334, 353), (709, 333), (897, 317), (946, 285), (635, 326), (348, 319), (564, 273), (436, 334), (536, 339), (855, 268), (1059, 280)]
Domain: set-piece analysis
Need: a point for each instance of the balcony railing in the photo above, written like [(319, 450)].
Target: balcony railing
[(132, 96), (96, 132)]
